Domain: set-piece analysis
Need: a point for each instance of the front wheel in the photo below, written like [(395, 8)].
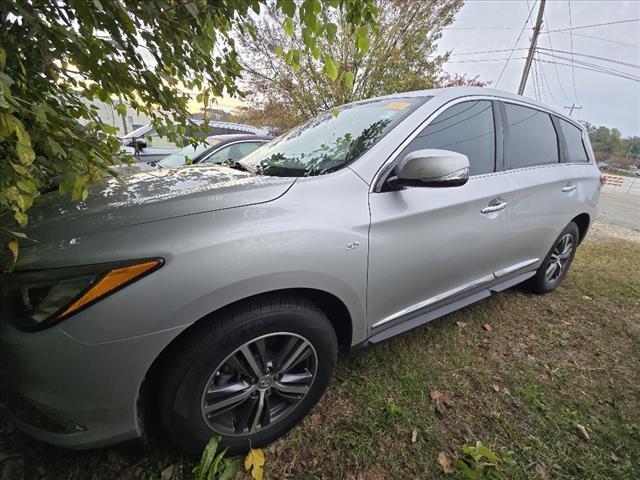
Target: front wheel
[(557, 262), (249, 376)]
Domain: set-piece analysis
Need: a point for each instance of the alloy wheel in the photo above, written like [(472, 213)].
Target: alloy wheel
[(559, 258), (259, 384)]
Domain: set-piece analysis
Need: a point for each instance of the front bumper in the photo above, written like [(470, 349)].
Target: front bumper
[(73, 394)]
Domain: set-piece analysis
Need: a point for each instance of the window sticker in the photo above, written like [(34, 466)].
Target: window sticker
[(397, 105)]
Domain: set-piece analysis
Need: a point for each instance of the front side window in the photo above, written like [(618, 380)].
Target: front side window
[(574, 150), (530, 137), (184, 156), (235, 151), (331, 140), (467, 128)]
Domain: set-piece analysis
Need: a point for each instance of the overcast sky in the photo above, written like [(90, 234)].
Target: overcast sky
[(495, 25)]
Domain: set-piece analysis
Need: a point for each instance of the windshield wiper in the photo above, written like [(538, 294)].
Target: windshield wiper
[(237, 165)]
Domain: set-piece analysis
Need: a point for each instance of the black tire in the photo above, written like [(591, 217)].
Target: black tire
[(211, 342), (541, 283)]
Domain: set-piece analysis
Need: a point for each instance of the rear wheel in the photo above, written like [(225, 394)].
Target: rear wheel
[(250, 376), (557, 262)]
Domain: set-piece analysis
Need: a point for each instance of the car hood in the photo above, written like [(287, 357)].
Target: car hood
[(149, 196)]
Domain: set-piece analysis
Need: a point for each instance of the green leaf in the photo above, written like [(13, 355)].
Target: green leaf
[(332, 30), (20, 169), (288, 26), (288, 7), (27, 185), (122, 109), (347, 78), (85, 194), (330, 67), (229, 469), (11, 193), (25, 153), (208, 456), (363, 38), (21, 218), (7, 125)]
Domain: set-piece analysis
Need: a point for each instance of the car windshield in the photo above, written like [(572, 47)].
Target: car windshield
[(188, 153), (332, 140)]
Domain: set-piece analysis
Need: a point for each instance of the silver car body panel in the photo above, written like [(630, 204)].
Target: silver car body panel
[(395, 259)]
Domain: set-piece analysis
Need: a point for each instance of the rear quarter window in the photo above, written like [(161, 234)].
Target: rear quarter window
[(531, 138), (573, 151)]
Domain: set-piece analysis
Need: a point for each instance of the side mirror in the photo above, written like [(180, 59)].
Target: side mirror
[(139, 144), (431, 168)]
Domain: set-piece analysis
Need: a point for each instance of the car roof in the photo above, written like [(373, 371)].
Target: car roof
[(465, 91), (235, 137)]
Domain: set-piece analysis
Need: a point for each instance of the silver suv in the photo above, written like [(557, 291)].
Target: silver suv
[(216, 297)]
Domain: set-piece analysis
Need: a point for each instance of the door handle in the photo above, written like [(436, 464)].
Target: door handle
[(569, 188), (495, 207)]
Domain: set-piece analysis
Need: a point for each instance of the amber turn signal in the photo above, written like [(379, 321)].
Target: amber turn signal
[(114, 280)]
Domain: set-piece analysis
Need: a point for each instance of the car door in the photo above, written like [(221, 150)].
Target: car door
[(429, 246), (543, 189)]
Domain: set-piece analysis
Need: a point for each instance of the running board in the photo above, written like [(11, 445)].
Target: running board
[(444, 310)]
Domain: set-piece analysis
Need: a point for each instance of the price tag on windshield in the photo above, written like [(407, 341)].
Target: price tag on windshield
[(397, 105)]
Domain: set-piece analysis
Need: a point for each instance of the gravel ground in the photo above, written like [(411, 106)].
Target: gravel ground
[(602, 232)]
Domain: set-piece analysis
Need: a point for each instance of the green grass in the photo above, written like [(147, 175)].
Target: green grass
[(560, 360)]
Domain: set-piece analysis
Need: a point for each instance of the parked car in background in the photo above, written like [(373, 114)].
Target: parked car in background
[(217, 296), (148, 146), (215, 149)]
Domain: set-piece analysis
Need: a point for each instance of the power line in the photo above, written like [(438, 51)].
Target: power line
[(486, 60), (571, 27), (633, 65), (573, 71), (594, 65), (545, 80), (616, 42), (515, 45), (555, 66), (552, 31), (597, 70)]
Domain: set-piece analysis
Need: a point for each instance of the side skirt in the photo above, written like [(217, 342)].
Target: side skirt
[(444, 310)]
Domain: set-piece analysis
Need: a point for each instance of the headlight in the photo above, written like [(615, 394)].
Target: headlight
[(34, 300)]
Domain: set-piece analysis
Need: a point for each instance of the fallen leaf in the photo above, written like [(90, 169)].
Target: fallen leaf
[(614, 457), (461, 325), (167, 473), (445, 463), (586, 297), (496, 387), (487, 327), (441, 401), (583, 432), (254, 461), (414, 436), (533, 336)]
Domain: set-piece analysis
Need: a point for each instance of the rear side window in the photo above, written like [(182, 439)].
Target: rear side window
[(574, 150), (530, 137), (466, 128)]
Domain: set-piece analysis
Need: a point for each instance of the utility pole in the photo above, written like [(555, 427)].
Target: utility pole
[(532, 48), (572, 108)]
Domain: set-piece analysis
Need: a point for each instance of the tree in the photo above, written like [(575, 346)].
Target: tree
[(398, 56), (57, 57)]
